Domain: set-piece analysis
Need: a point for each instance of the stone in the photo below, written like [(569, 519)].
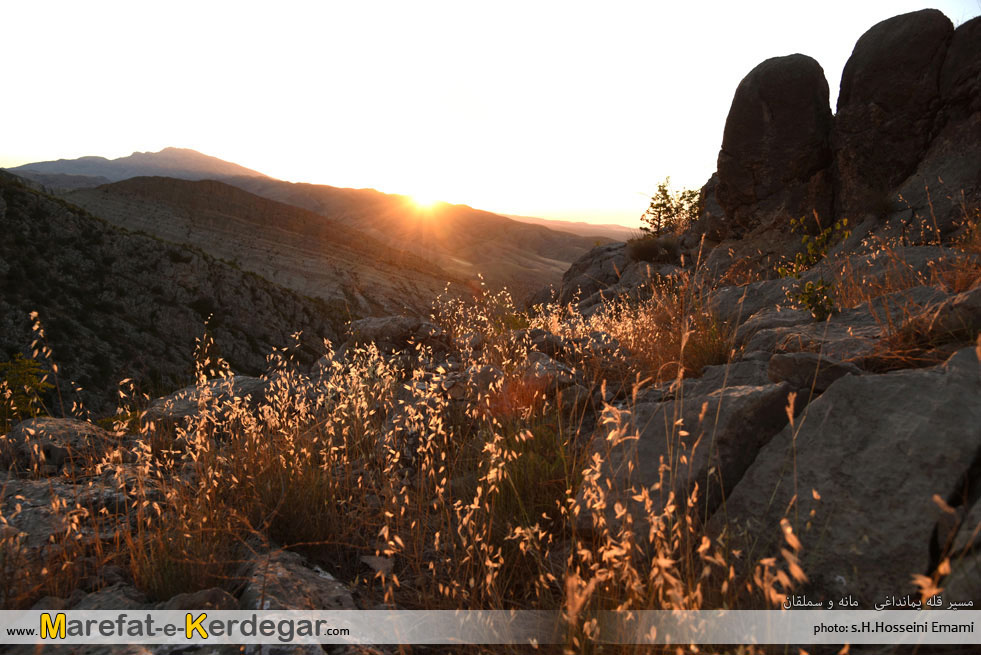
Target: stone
[(51, 444), (852, 334), (205, 599), (542, 369), (119, 596), (770, 318), (736, 304), (776, 148), (875, 449), (806, 370), (720, 435), (596, 270), (188, 402), (391, 333), (722, 376), (957, 316), (887, 106), (960, 76), (283, 580)]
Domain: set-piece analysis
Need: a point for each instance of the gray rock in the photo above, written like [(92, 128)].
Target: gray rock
[(851, 334), (190, 401), (776, 148), (544, 370), (931, 204), (735, 304), (119, 596), (596, 270), (964, 582), (725, 430), (875, 448), (483, 378), (49, 444), (770, 318), (205, 599), (808, 370), (711, 219), (735, 374), (282, 580), (392, 333), (969, 534), (958, 315)]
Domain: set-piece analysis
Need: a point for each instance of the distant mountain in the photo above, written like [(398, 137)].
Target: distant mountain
[(582, 228), (181, 163), (299, 249), (460, 239), (115, 304)]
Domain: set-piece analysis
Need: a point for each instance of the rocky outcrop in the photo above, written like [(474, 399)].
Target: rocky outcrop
[(875, 449), (597, 269), (776, 148), (887, 107), (900, 158)]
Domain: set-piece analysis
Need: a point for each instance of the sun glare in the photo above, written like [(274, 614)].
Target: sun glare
[(424, 201)]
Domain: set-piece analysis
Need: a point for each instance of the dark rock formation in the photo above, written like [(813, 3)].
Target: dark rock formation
[(887, 107), (776, 147)]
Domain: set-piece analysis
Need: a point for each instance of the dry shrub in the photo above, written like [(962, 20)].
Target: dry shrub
[(669, 332)]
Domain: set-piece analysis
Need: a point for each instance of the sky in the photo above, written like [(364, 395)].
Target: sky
[(561, 110)]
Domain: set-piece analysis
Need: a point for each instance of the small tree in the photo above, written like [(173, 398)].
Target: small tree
[(670, 211)]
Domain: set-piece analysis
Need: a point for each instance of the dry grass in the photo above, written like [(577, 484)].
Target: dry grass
[(477, 498)]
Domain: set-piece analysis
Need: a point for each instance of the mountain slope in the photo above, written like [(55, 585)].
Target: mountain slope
[(182, 163), (291, 246), (582, 228), (463, 240), (115, 304)]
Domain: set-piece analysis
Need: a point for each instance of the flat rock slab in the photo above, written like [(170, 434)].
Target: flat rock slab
[(876, 448)]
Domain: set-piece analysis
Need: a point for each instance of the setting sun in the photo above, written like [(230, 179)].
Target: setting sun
[(424, 200)]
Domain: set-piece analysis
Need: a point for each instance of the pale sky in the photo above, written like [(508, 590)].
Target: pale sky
[(560, 110)]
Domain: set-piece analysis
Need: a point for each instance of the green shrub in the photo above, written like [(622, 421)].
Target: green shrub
[(818, 297)]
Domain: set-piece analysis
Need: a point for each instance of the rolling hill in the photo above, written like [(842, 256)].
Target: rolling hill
[(117, 304), (462, 241), (296, 248)]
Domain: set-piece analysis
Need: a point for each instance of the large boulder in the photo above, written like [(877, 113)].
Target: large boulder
[(717, 439), (960, 77), (776, 148), (597, 269), (857, 474), (887, 108)]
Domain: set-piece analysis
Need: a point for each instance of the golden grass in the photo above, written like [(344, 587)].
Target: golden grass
[(478, 499)]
